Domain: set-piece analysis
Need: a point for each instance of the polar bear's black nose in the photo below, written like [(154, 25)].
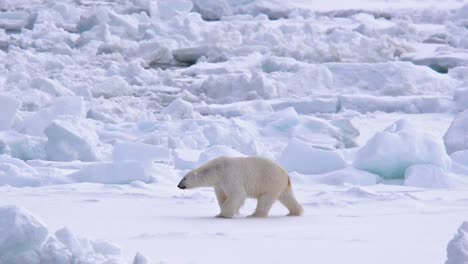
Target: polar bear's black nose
[(181, 185)]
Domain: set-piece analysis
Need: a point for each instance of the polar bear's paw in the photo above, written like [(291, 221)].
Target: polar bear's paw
[(224, 216), (294, 214), (257, 215)]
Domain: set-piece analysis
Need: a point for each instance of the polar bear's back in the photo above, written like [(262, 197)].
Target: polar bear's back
[(255, 175)]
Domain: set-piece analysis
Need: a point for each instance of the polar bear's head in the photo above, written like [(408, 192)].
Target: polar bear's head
[(204, 176), (190, 180)]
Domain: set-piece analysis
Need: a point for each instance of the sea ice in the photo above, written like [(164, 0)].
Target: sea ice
[(25, 239), (24, 147), (141, 152), (235, 109), (390, 152), (140, 259), (306, 159), (109, 87), (234, 87), (15, 20), (456, 138), (309, 105), (123, 172), (9, 106), (64, 107), (136, 92), (16, 172), (460, 157), (391, 104), (390, 78), (212, 10), (179, 109), (171, 8), (185, 159), (457, 248), (51, 87), (217, 151), (68, 141), (427, 176), (349, 175), (461, 98), (20, 234)]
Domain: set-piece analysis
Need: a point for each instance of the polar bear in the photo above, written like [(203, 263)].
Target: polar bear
[(235, 179)]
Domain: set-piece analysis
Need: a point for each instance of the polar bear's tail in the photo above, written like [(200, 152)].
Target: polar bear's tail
[(289, 201)]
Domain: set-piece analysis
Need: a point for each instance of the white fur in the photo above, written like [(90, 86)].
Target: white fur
[(235, 179)]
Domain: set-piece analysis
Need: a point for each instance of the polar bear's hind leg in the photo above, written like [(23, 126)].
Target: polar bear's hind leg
[(289, 201)]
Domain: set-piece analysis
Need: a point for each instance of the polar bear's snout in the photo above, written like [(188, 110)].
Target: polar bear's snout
[(181, 184), (190, 180)]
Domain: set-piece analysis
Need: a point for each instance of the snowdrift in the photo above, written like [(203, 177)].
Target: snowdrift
[(391, 152), (25, 239), (457, 248)]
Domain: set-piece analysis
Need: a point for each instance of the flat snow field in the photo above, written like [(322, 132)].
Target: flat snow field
[(384, 224), (106, 105)]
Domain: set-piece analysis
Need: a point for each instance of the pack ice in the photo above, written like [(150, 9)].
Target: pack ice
[(25, 239), (105, 105)]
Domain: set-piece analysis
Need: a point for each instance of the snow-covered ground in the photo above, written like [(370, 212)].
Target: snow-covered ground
[(105, 105)]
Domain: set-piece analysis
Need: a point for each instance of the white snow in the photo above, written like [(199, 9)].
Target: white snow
[(390, 152), (169, 220), (186, 158), (309, 105), (457, 248), (212, 10), (68, 141), (50, 86), (112, 173), (25, 239), (23, 146), (460, 157), (14, 20), (169, 8), (140, 152), (140, 259), (179, 109), (349, 175), (217, 151), (461, 98), (60, 108), (304, 158), (236, 109), (456, 138), (390, 104), (111, 87), (427, 176), (393, 78), (16, 172), (21, 233), (105, 105), (9, 106)]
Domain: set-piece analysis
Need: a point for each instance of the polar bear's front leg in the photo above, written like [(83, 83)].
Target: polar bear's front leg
[(220, 196), (264, 204), (231, 205)]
